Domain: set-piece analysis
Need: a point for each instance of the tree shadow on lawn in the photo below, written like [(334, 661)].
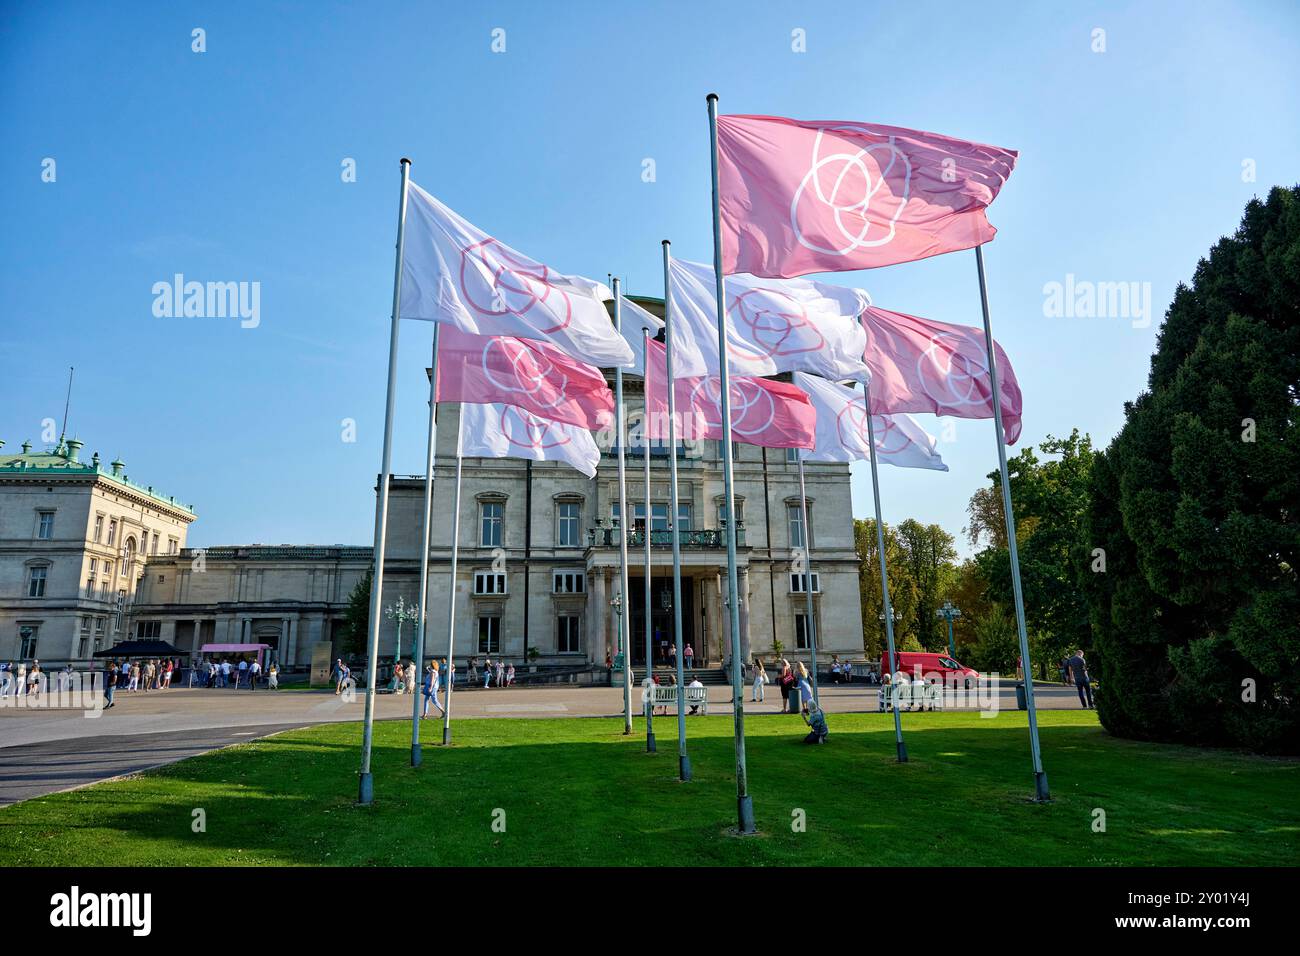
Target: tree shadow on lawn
[(582, 793)]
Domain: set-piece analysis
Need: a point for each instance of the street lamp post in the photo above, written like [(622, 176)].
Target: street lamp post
[(401, 612), (949, 612)]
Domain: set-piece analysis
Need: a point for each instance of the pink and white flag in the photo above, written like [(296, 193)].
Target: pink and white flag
[(531, 374), (825, 196), (506, 431), (842, 433), (637, 321), (919, 365), (763, 412), (455, 273), (773, 325)]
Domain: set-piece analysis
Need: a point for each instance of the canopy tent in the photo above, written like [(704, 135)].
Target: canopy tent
[(142, 649)]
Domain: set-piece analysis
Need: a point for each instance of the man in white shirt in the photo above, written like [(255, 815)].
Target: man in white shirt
[(253, 671)]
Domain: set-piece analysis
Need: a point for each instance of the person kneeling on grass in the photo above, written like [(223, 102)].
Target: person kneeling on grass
[(815, 718)]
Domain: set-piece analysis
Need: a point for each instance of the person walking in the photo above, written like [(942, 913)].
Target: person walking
[(487, 672), (787, 681), (254, 672), (430, 689), (1078, 667), (688, 653), (760, 681), (343, 673), (110, 684)]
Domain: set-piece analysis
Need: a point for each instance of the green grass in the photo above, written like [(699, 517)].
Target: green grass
[(576, 791)]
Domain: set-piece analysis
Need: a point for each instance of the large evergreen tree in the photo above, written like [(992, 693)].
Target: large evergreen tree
[(1196, 618)]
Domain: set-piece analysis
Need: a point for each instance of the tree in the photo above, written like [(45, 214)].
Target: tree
[(864, 536), (1195, 502), (928, 563), (996, 646), (356, 621)]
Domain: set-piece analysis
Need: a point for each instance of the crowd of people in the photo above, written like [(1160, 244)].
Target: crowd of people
[(234, 674), (20, 680)]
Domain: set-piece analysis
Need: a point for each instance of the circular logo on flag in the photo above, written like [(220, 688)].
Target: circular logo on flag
[(851, 424), (950, 377), (526, 430), (775, 323), (518, 287), (526, 371), (851, 200), (752, 407)]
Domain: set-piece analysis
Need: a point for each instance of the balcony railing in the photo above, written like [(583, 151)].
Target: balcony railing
[(702, 539)]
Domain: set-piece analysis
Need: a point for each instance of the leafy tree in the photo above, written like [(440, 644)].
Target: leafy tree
[(356, 621), (1195, 505), (864, 536), (928, 563), (996, 646)]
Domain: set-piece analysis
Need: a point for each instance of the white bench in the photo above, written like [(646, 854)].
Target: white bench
[(911, 696), (666, 696)]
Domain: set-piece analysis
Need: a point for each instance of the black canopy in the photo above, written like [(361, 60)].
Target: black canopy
[(142, 649)]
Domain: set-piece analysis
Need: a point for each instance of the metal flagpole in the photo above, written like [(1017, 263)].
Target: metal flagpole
[(624, 609), (885, 606), (366, 786), (417, 651), (1040, 777), (649, 631), (744, 803), (451, 595), (810, 622), (683, 759)]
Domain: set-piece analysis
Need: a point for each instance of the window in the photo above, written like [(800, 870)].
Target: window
[(154, 549), (45, 527), (722, 512), (99, 527), (489, 635), (683, 517), (103, 588), (173, 545), (801, 632), (36, 582), (99, 633), (27, 634), (569, 582), (794, 518), (94, 565), (112, 530), (128, 557), (90, 587), (658, 516), (489, 582), (792, 456), (568, 515), (490, 524), (799, 584), (83, 639), (567, 634), (148, 630)]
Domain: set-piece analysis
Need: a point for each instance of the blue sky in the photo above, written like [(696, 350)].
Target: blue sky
[(225, 166)]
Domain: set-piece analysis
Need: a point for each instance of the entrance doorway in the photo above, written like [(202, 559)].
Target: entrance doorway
[(661, 618)]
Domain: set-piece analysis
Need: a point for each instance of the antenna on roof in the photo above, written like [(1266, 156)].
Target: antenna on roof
[(66, 404)]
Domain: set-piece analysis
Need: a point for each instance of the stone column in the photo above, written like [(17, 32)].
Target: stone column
[(745, 653), (597, 605)]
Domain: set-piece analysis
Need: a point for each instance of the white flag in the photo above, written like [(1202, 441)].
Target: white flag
[(773, 325), (635, 321), (453, 272), (842, 429), (507, 431)]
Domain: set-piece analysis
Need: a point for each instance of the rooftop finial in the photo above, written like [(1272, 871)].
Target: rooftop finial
[(66, 404)]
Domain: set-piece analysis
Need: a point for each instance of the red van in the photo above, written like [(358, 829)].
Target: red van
[(950, 672)]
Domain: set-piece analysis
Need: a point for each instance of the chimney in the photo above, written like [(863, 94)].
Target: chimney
[(95, 460), (27, 448), (74, 449), (118, 464)]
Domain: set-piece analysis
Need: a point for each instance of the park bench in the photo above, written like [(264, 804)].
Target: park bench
[(911, 696), (661, 696)]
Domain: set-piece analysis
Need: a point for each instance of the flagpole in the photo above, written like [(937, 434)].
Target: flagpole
[(1040, 777), (649, 649), (683, 759), (451, 592), (366, 784), (624, 609), (886, 607), (417, 653), (744, 803), (811, 623)]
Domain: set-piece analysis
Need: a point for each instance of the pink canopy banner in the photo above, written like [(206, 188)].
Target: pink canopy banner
[(829, 196), (529, 374), (919, 365), (763, 412)]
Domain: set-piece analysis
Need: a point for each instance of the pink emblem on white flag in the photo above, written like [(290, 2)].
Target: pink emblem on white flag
[(763, 412), (825, 196), (506, 431), (919, 365), (842, 433), (453, 272), (533, 375)]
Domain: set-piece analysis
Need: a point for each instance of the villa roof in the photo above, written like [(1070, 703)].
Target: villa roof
[(64, 461)]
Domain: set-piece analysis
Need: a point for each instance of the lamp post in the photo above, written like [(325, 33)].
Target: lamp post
[(949, 612), (616, 602), (401, 612)]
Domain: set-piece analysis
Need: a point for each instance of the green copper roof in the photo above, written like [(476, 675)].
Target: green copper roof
[(59, 462)]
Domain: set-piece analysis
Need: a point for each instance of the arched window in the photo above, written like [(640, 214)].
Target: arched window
[(128, 556)]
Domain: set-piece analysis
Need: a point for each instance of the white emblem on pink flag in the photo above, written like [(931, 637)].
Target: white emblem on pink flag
[(453, 272), (842, 433), (763, 412), (531, 374), (506, 431), (826, 196), (773, 325), (919, 365)]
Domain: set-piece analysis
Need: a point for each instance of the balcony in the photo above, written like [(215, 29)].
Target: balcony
[(704, 539)]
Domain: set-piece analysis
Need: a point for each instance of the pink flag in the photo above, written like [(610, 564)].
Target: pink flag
[(763, 412), (530, 374), (919, 365), (824, 196)]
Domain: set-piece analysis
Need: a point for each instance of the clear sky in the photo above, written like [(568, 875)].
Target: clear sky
[(226, 165)]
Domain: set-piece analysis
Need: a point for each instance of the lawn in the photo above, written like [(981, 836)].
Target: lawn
[(576, 791)]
